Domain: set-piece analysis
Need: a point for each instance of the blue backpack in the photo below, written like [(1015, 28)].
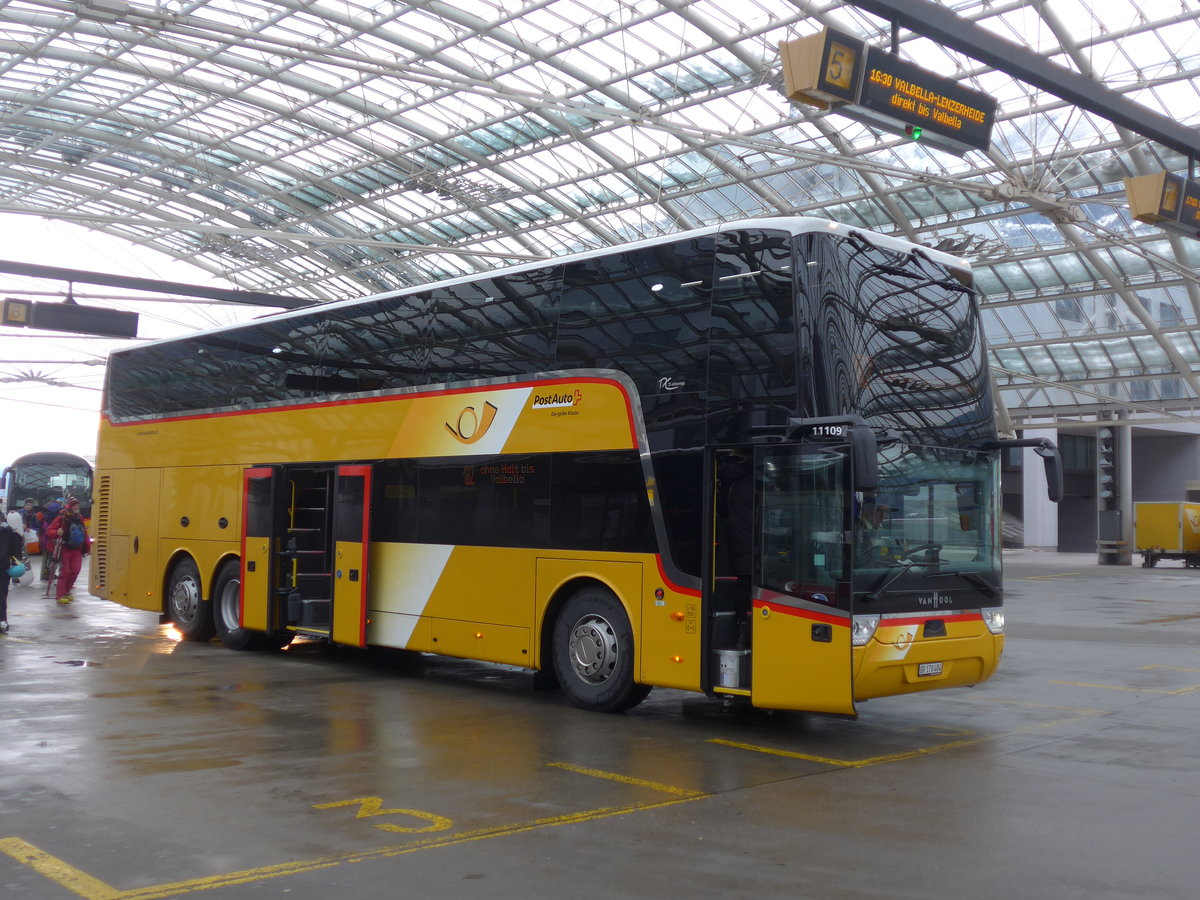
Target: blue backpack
[(73, 538)]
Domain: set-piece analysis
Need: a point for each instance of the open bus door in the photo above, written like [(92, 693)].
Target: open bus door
[(802, 656), (351, 536), (304, 550), (262, 525)]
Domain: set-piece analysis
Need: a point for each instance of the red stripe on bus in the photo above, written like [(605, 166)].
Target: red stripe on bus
[(802, 613), (679, 589), (956, 615)]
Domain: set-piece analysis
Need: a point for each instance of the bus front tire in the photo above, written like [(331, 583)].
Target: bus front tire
[(190, 612), (227, 608), (593, 653)]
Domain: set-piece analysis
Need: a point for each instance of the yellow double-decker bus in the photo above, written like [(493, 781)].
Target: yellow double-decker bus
[(757, 460)]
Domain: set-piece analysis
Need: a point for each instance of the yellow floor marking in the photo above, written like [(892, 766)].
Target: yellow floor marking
[(1171, 668), (1167, 620), (1075, 709), (1055, 575), (1135, 690), (54, 869), (625, 779), (893, 757), (89, 888)]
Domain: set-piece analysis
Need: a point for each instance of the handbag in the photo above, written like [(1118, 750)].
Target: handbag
[(17, 569)]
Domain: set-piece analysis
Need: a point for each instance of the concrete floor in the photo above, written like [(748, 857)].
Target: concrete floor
[(133, 767)]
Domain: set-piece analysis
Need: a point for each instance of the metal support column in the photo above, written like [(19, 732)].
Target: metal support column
[(1114, 491)]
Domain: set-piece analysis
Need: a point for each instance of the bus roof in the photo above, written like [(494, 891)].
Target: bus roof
[(792, 224)]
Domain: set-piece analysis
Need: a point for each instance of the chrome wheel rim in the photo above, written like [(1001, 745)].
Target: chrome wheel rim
[(593, 649), (185, 599), (228, 605)]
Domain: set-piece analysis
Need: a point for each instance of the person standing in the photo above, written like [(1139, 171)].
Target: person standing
[(29, 515), (12, 546), (17, 524), (49, 513), (75, 545)]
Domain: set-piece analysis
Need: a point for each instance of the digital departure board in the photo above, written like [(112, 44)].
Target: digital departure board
[(831, 69), (940, 106), (1189, 215), (69, 317), (1167, 200)]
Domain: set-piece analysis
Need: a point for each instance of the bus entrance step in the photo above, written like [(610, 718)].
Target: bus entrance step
[(314, 632), (304, 612)]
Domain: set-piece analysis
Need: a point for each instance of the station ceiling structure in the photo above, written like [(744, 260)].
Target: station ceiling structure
[(335, 148)]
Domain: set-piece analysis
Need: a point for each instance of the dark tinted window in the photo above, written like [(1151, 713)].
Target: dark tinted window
[(593, 501), (260, 511), (493, 327), (644, 312), (599, 502), (349, 508), (273, 361), (484, 501), (899, 342), (679, 478), (752, 361), (381, 344), (394, 504)]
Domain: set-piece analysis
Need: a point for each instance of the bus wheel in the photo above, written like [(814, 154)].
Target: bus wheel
[(593, 653), (190, 612), (227, 607)]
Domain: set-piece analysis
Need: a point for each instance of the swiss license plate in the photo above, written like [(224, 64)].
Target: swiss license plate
[(924, 669)]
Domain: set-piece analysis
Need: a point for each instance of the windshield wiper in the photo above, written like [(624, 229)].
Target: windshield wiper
[(975, 579), (885, 581)]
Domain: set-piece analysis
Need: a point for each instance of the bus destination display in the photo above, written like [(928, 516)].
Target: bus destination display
[(831, 69)]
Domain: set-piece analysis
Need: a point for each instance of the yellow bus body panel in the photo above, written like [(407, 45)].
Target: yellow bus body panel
[(558, 415), (350, 579), (791, 670), (198, 460), (127, 571), (256, 584), (891, 661), (491, 603)]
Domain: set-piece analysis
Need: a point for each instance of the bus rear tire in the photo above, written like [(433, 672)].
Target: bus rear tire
[(188, 609), (227, 589), (593, 653)]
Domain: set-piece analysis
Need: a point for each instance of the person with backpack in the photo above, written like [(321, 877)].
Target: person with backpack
[(12, 546), (68, 528), (16, 522)]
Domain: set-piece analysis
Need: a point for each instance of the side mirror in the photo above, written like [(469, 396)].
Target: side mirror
[(1047, 450), (865, 451), (1053, 463)]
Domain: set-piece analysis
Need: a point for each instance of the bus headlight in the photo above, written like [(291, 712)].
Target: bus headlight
[(994, 619), (862, 629)]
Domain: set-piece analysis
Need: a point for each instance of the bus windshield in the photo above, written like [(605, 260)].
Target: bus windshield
[(49, 477), (929, 518), (927, 529)]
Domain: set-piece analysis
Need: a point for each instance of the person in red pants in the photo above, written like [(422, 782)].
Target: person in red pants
[(69, 528)]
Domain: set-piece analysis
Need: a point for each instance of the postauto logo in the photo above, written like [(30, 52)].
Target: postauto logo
[(557, 400)]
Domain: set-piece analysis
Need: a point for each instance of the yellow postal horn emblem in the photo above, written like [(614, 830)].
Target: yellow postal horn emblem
[(470, 426)]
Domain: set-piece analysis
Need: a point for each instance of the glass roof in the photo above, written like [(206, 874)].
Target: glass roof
[(336, 149)]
